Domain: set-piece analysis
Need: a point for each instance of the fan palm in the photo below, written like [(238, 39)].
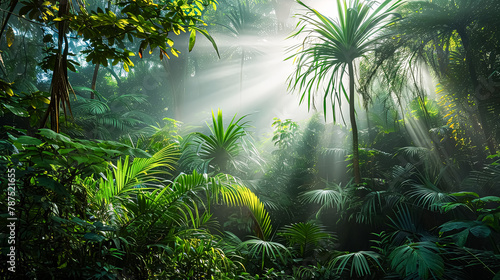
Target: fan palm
[(105, 118), (331, 48), (362, 262), (305, 235)]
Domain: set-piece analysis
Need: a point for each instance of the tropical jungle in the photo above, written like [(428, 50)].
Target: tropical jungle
[(250, 139)]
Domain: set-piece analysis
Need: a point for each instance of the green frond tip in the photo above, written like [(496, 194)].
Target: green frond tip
[(242, 196)]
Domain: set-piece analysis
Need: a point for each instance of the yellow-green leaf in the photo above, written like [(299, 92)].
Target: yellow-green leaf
[(10, 36), (192, 39)]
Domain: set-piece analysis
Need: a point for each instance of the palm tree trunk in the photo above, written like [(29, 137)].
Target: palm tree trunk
[(352, 115)]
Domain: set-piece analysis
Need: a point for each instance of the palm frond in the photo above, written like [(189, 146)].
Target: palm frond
[(429, 196), (375, 202), (262, 249), (406, 226), (240, 196), (334, 197), (87, 106), (361, 262), (331, 44), (306, 235), (127, 177)]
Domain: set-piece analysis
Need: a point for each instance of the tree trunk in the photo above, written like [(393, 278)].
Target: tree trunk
[(59, 87), (352, 115), (94, 81), (177, 68), (481, 102), (13, 4)]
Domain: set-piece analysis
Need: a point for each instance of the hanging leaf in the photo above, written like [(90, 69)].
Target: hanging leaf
[(192, 39), (93, 237), (27, 140), (10, 36)]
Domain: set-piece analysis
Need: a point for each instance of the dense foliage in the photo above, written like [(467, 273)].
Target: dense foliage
[(117, 187)]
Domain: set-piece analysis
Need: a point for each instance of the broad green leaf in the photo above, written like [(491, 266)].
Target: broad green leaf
[(480, 231), (93, 237), (28, 140), (465, 194), (487, 199), (51, 184), (50, 134), (16, 110), (80, 159)]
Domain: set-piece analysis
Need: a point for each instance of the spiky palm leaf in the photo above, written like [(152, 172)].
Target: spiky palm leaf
[(181, 199), (426, 157), (220, 150), (92, 106), (487, 179), (240, 196)]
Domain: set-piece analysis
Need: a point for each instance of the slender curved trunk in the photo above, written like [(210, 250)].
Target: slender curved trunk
[(94, 81), (352, 115), (241, 74), (13, 4)]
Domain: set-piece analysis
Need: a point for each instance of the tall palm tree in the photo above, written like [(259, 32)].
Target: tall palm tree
[(330, 50)]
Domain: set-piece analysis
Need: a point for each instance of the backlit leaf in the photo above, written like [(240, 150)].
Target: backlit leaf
[(10, 36)]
